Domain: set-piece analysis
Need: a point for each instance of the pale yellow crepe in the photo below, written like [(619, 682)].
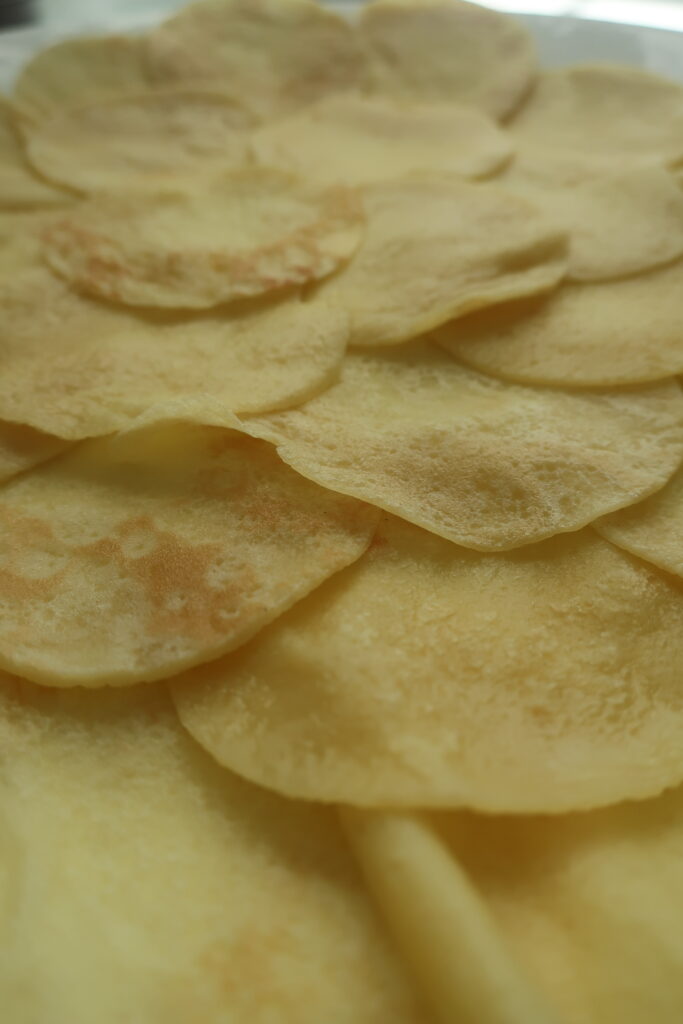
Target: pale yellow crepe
[(546, 679), (591, 905), (281, 54), (440, 923), (75, 71), (653, 529), (140, 882), (248, 233), (75, 367), (583, 335), (619, 221), (359, 139), (21, 245), (132, 557), (20, 187), (436, 248), (488, 465), (605, 109), (431, 50), (21, 448), (141, 142)]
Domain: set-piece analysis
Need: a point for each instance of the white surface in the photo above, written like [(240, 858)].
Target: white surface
[(561, 38)]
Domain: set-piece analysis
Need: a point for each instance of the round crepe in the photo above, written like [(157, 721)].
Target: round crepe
[(575, 895), (436, 248), (605, 110), (147, 141), (20, 188), (283, 53), (77, 368), (132, 557), (140, 882), (583, 335), (546, 679), (248, 233), (652, 529), (619, 222), (484, 464), (448, 51), (97, 67), (356, 140)]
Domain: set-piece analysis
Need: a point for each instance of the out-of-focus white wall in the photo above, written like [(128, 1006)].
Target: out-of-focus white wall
[(63, 12), (657, 13)]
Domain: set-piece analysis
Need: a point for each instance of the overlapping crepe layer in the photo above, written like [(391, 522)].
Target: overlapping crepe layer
[(341, 437)]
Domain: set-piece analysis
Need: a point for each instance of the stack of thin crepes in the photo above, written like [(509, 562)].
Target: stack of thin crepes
[(341, 613)]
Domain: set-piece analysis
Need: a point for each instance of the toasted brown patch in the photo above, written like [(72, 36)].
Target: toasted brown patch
[(246, 234), (132, 557)]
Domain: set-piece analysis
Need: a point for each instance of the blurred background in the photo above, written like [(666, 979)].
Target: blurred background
[(62, 13)]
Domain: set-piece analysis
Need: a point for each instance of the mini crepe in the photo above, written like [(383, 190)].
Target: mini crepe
[(541, 680), (356, 140), (605, 334), (138, 878), (605, 110), (574, 896), (132, 557), (653, 529), (283, 53), (484, 464), (249, 232), (76, 368), (436, 248), (20, 188), (619, 222), (141, 142), (448, 51), (98, 67)]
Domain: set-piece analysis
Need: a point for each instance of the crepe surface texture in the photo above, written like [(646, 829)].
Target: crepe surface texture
[(341, 519), (160, 888)]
